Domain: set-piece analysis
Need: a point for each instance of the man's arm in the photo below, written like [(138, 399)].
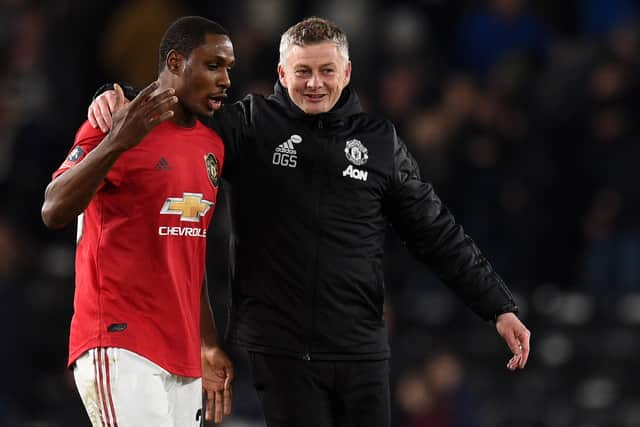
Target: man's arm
[(70, 193), (234, 122), (434, 237), (217, 369)]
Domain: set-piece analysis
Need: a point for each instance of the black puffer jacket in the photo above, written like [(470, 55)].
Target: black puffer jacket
[(312, 197)]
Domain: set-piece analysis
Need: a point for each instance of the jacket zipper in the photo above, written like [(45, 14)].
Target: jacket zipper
[(316, 175)]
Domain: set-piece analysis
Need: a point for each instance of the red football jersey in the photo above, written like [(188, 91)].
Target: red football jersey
[(141, 246)]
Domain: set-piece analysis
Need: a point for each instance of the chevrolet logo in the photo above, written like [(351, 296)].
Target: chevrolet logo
[(191, 207)]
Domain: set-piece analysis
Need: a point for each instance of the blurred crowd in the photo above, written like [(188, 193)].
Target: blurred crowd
[(520, 112)]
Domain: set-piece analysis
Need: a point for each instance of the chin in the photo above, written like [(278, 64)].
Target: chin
[(315, 109)]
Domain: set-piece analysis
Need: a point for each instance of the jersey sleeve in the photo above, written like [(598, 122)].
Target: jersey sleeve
[(87, 138)]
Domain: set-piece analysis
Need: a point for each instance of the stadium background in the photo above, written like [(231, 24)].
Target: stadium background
[(521, 114)]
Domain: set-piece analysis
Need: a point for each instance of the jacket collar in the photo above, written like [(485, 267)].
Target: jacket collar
[(347, 105)]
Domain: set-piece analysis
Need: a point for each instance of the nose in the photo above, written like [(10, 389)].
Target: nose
[(314, 82), (225, 80)]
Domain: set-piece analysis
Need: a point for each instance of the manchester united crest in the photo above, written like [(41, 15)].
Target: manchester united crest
[(356, 152), (213, 171)]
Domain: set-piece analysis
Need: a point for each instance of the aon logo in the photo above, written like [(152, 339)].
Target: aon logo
[(284, 159), (354, 173)]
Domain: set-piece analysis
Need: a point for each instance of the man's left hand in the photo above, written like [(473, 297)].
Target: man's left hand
[(517, 337), (217, 375)]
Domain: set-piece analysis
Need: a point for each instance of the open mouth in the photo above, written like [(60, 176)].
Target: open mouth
[(314, 97), (215, 101)]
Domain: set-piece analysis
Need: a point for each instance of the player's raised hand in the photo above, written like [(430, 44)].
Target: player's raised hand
[(517, 337), (133, 121), (217, 375)]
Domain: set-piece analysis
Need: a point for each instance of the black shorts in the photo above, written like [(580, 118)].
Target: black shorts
[(299, 393)]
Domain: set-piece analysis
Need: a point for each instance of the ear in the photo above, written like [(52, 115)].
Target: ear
[(174, 62), (347, 73), (281, 76)]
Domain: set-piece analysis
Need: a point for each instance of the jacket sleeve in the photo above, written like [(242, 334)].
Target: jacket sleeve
[(430, 232), (130, 92), (234, 124)]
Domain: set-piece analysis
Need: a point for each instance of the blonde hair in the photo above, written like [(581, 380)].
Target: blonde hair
[(313, 30)]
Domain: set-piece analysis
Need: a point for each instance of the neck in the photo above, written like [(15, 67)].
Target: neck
[(181, 116)]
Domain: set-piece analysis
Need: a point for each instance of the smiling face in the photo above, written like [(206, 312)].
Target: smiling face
[(201, 80), (314, 76)]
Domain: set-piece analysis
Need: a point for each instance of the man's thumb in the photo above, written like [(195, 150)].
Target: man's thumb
[(119, 97)]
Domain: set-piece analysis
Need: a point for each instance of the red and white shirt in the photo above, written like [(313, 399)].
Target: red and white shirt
[(140, 256)]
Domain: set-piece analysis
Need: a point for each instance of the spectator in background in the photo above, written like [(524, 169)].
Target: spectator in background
[(436, 395), (501, 30), (11, 263), (129, 45), (600, 17), (611, 223)]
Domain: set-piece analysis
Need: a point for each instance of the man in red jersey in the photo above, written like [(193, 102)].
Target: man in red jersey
[(143, 342)]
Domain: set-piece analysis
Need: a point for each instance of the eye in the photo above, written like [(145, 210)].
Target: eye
[(302, 73), (328, 70), (212, 66)]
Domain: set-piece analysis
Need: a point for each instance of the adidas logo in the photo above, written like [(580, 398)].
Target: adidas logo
[(285, 154), (162, 164), (287, 146)]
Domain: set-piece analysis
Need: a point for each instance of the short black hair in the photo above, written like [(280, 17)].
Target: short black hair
[(186, 34)]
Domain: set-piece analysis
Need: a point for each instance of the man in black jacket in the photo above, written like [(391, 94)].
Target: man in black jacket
[(315, 182)]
